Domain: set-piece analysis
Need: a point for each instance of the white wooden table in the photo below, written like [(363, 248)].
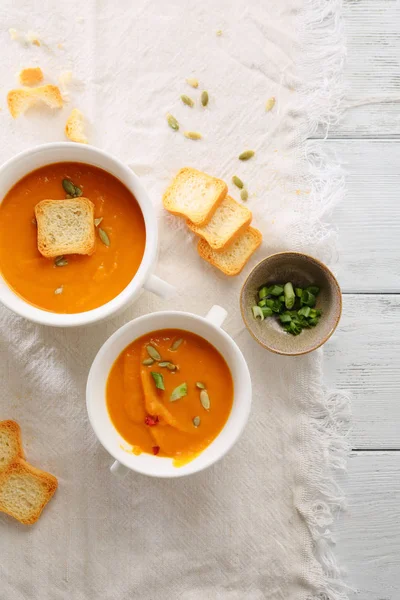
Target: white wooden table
[(364, 355)]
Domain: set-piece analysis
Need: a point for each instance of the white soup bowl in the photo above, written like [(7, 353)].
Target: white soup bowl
[(210, 329), (25, 162)]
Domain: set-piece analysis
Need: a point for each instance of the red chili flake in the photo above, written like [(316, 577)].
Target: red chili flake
[(156, 449), (151, 421)]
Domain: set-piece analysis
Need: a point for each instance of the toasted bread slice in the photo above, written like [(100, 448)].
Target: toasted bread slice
[(194, 195), (228, 222), (31, 76), (65, 227), (25, 491), (10, 444), (232, 260), (21, 99), (74, 127)]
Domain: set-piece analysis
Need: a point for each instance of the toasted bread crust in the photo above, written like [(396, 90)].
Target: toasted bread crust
[(203, 214), (211, 232), (48, 484), (222, 260), (50, 248), (13, 432)]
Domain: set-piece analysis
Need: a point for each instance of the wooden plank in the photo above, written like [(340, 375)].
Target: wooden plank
[(364, 357), (368, 532), (372, 74), (368, 220)]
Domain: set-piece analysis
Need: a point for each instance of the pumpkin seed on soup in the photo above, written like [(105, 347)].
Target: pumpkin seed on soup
[(204, 98), (153, 353), (176, 344), (205, 399), (196, 421), (172, 122), (200, 385), (103, 236), (148, 361), (59, 290)]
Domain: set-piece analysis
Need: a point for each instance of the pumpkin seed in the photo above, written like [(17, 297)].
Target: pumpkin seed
[(196, 421), (98, 221), (68, 186), (270, 104), (103, 236), (147, 361), (204, 98), (153, 353), (193, 135), (179, 392), (186, 100), (170, 366), (200, 385), (158, 380), (244, 194), (238, 182), (59, 290), (60, 261), (172, 122), (193, 82), (246, 155), (72, 191), (219, 32), (176, 344), (205, 399)]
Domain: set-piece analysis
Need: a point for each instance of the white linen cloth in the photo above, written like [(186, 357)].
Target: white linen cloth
[(255, 525)]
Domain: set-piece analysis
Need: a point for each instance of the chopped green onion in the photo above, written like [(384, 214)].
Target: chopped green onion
[(285, 318), (313, 289), (281, 298), (308, 299), (258, 313), (179, 392), (305, 311), (313, 322), (158, 380), (290, 297), (263, 293), (267, 312), (298, 292), (262, 302), (276, 290)]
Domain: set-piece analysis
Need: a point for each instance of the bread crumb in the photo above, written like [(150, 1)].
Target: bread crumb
[(14, 35), (20, 100), (33, 38), (74, 127), (31, 76)]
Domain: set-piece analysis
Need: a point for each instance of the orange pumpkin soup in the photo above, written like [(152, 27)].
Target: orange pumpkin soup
[(86, 282), (170, 393)]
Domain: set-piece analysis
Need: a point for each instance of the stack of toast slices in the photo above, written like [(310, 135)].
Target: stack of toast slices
[(227, 239), (24, 490)]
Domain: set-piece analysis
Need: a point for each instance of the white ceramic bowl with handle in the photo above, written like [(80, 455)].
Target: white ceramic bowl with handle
[(209, 328), (25, 162)]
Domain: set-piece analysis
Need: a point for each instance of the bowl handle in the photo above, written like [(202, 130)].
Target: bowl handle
[(118, 469), (216, 315), (160, 287)]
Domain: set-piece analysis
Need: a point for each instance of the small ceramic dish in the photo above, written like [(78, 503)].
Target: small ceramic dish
[(302, 270)]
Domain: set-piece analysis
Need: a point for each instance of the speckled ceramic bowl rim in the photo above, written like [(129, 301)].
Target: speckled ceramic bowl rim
[(335, 283)]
